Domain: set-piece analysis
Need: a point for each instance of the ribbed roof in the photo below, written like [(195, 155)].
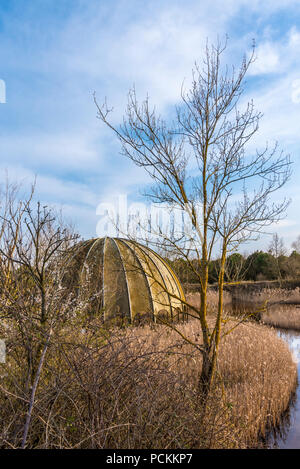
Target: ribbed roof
[(120, 277)]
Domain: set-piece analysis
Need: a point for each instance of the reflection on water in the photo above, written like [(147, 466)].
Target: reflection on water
[(288, 435)]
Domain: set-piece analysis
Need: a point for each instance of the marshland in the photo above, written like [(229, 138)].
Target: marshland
[(137, 388), (106, 386), (171, 323)]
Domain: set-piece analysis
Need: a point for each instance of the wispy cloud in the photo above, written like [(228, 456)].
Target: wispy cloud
[(55, 54)]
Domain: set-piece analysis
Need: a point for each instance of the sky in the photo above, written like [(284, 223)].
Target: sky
[(55, 54)]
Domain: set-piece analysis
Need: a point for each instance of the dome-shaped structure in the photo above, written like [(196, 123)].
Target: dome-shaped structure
[(121, 278)]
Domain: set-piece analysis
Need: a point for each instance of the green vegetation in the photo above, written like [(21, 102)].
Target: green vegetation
[(257, 266)]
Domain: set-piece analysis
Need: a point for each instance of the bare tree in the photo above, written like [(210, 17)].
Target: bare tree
[(34, 301), (199, 163), (276, 246), (277, 249), (296, 245)]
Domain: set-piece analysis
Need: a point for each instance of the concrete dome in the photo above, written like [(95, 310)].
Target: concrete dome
[(121, 278)]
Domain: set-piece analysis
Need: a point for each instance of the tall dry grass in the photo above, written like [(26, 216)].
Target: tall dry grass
[(260, 377), (285, 316), (257, 294), (193, 298), (282, 306), (137, 388)]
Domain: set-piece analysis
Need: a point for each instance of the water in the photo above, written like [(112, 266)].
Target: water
[(288, 435)]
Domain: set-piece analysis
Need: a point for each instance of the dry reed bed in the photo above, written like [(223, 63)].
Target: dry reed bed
[(136, 388), (278, 315), (287, 317), (193, 298), (260, 376), (272, 295), (255, 367)]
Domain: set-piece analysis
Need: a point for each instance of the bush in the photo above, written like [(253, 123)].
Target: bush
[(137, 388)]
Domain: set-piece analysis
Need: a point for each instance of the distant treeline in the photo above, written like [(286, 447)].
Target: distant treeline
[(259, 265)]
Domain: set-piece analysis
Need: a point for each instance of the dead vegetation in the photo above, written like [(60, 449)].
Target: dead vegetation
[(194, 299), (285, 316), (137, 388), (70, 381), (280, 306)]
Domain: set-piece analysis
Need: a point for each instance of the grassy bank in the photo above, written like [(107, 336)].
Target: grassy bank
[(136, 388)]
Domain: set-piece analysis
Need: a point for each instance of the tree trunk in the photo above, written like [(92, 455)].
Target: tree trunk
[(211, 348), (33, 392), (206, 377)]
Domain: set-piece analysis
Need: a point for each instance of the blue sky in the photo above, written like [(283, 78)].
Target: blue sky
[(56, 53)]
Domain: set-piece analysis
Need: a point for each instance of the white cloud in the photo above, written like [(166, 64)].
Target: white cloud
[(267, 60), (278, 56), (52, 151), (151, 44), (294, 37)]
